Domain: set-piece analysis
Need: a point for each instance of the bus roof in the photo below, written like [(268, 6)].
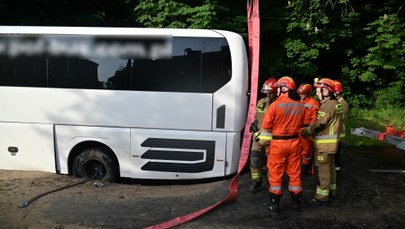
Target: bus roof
[(65, 30)]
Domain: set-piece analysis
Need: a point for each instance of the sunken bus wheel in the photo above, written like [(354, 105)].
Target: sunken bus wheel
[(95, 164)]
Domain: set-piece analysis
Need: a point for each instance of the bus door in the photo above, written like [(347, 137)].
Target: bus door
[(176, 140), (27, 147)]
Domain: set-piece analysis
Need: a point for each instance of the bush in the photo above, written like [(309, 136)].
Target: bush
[(390, 97)]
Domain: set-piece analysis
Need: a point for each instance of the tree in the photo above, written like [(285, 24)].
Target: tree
[(376, 67), (315, 29), (67, 12), (186, 14), (359, 43)]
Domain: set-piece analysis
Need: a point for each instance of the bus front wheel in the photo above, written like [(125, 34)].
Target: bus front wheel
[(95, 164)]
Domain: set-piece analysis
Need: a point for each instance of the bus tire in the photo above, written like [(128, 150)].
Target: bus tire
[(94, 164)]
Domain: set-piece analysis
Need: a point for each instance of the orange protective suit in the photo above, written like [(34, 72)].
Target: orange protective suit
[(284, 119), (312, 106)]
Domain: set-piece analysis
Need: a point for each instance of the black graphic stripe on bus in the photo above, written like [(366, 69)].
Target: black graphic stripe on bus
[(188, 156)]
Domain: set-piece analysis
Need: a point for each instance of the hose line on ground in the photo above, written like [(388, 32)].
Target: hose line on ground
[(25, 204)]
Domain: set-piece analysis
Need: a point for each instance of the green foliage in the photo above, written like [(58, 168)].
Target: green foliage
[(184, 14), (358, 100), (302, 54), (368, 51), (379, 58), (388, 35), (312, 31), (67, 12), (391, 97), (384, 59), (173, 14)]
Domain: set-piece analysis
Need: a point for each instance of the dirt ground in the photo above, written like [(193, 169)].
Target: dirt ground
[(370, 195)]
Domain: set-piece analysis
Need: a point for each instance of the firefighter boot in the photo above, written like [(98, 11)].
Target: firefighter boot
[(332, 194), (296, 202), (255, 185), (314, 202), (274, 203)]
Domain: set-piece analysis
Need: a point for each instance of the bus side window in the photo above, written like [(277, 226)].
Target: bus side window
[(73, 73), (23, 71), (7, 72), (199, 65)]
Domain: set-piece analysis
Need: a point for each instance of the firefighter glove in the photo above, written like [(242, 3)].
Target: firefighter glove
[(253, 127), (306, 132), (306, 169), (256, 136)]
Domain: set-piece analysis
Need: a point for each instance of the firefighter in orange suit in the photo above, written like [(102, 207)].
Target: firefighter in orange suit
[(284, 119), (312, 105), (261, 137), (338, 93), (326, 130)]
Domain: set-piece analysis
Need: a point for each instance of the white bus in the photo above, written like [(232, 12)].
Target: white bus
[(105, 103)]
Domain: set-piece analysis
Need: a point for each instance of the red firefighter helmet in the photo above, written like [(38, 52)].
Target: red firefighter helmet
[(269, 86), (337, 86), (286, 81), (304, 89), (325, 83)]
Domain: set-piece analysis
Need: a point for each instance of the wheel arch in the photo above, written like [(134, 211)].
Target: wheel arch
[(82, 146)]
